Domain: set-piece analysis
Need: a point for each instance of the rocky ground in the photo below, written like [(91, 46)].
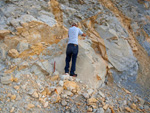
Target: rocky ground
[(113, 63), (65, 94)]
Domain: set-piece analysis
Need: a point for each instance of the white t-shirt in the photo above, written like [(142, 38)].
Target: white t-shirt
[(73, 35)]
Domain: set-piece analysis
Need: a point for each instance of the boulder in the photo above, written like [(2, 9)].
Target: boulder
[(120, 55), (71, 85), (23, 45), (30, 106), (3, 33), (63, 102), (6, 80), (23, 65), (42, 68), (55, 98), (13, 53), (54, 78), (59, 90), (64, 77), (90, 67)]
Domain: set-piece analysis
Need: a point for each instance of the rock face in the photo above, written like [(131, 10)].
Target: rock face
[(89, 63), (33, 41), (91, 68)]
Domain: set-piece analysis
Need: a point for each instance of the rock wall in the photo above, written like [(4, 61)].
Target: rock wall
[(119, 31)]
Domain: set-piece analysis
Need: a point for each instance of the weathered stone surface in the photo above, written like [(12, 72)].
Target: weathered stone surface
[(104, 33), (59, 90), (13, 97), (3, 33), (141, 101), (42, 67), (88, 63), (11, 41), (108, 111), (66, 93), (121, 58), (147, 29), (6, 80), (86, 95), (23, 45), (16, 87), (105, 107), (128, 109), (12, 110), (54, 78), (23, 65), (13, 53), (30, 106), (112, 27), (56, 73), (64, 77), (146, 107), (45, 104), (100, 110), (101, 94), (55, 98), (48, 20), (90, 91), (61, 83), (70, 85), (91, 101), (90, 109), (63, 102), (35, 95)]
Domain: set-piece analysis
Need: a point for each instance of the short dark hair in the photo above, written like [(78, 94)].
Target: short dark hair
[(74, 24)]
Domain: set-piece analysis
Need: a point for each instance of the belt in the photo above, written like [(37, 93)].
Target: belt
[(72, 44)]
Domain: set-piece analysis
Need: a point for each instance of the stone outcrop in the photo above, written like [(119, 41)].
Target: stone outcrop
[(88, 63), (33, 41)]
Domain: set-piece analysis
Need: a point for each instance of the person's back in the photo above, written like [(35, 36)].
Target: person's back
[(73, 35)]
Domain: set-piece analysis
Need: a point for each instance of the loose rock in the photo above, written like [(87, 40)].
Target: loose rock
[(6, 80), (13, 53), (63, 102), (30, 106)]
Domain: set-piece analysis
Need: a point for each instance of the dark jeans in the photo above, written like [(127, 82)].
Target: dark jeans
[(71, 52)]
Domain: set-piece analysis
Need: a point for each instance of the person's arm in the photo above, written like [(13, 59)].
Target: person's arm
[(83, 35)]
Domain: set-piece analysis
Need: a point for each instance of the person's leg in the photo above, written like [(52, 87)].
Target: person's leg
[(74, 58), (68, 58)]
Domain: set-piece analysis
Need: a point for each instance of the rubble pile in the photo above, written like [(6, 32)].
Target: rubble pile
[(113, 63), (63, 93)]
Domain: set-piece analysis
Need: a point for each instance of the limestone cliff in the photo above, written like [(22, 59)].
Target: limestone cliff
[(33, 35)]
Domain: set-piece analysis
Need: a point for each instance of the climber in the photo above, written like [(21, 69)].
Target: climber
[(72, 48)]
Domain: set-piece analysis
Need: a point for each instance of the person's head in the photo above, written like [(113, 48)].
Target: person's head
[(74, 24)]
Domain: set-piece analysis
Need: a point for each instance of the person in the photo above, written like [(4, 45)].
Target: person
[(72, 49)]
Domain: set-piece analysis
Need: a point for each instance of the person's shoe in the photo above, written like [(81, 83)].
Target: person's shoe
[(73, 75)]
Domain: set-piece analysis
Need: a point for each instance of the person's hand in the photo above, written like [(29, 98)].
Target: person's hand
[(84, 35)]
